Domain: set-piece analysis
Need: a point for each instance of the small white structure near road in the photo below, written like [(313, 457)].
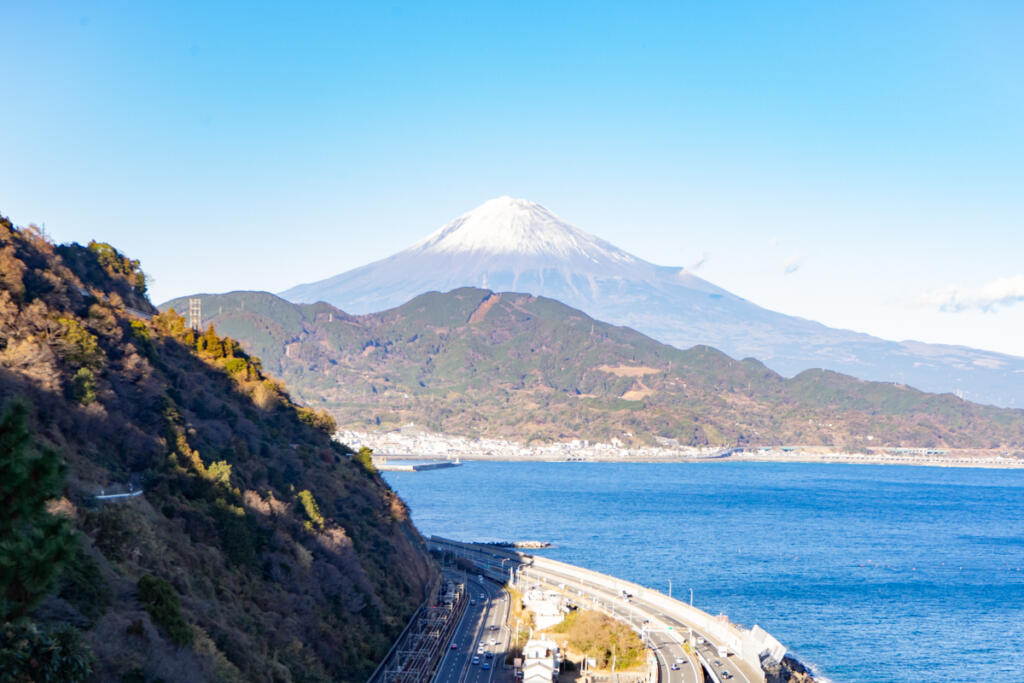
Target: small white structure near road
[(547, 607), (540, 660)]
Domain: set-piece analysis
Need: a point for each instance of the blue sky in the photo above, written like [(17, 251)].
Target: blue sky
[(861, 164)]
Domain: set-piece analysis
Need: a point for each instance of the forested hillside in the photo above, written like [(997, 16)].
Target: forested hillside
[(258, 549), (480, 363)]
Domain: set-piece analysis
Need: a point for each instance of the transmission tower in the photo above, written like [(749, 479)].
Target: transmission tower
[(195, 314)]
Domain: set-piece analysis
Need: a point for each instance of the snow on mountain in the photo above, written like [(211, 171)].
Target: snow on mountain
[(517, 226), (509, 244)]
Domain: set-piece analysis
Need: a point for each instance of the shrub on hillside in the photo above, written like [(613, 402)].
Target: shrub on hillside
[(314, 516), (365, 458), (82, 584), (161, 601), (319, 419), (83, 386), (76, 345)]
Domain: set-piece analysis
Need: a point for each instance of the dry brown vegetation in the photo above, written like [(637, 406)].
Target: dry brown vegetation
[(629, 370), (588, 633), (273, 554)]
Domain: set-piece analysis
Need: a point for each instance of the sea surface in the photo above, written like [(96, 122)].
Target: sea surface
[(866, 573)]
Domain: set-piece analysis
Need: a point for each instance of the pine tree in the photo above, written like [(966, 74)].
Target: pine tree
[(34, 545)]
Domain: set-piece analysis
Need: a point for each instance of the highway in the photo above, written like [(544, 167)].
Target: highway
[(728, 670), (667, 632), (666, 643), (483, 622), (669, 622)]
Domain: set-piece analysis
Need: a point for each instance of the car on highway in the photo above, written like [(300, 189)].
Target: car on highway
[(455, 646), (494, 627), (472, 602), (476, 659), (483, 597), (485, 666), (717, 663), (725, 674), (675, 666)]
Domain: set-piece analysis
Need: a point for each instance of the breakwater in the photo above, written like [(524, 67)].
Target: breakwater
[(383, 465), (524, 545)]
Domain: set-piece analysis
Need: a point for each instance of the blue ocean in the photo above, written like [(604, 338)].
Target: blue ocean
[(866, 573)]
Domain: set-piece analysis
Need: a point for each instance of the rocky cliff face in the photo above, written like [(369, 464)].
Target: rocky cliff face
[(257, 550), (789, 670)]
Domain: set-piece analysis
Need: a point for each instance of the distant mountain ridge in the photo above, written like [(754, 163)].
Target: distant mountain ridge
[(509, 365), (509, 244)]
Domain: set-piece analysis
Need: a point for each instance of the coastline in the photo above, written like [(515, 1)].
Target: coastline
[(814, 554), (961, 461), (414, 443)]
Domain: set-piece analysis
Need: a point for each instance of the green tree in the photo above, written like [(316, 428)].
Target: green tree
[(220, 473), (164, 606), (312, 510), (28, 655), (78, 346), (365, 458), (143, 339), (210, 344), (320, 419), (116, 263), (34, 545), (83, 386)]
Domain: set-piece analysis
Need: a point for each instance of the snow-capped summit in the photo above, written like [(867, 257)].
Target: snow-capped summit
[(508, 244), (506, 225), (505, 244)]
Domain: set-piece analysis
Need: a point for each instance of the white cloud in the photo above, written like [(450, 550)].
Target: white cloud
[(696, 265), (956, 298)]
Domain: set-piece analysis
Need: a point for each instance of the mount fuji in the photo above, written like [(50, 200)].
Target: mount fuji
[(509, 244)]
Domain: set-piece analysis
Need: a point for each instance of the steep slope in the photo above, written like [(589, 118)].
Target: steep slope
[(258, 550), (512, 365), (517, 245)]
